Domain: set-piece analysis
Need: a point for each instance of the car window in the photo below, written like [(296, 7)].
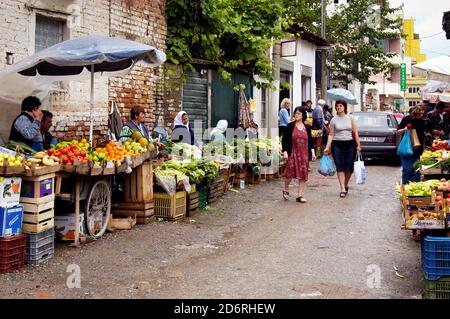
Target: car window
[(374, 120)]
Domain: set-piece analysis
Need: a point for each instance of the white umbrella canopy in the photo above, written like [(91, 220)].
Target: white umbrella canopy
[(75, 59), (437, 69)]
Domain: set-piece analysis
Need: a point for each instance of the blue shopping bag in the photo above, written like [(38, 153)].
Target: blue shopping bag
[(326, 166), (405, 148)]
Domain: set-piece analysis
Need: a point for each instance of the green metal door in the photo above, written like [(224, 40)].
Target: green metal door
[(195, 98), (224, 100)]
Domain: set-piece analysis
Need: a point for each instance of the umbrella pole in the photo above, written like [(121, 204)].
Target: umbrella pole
[(91, 107)]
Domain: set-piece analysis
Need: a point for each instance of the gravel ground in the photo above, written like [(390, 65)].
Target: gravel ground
[(250, 244)]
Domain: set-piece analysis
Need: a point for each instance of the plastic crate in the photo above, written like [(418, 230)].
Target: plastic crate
[(436, 289), (41, 256), (202, 197), (40, 239), (435, 257), (12, 253), (169, 207), (39, 250)]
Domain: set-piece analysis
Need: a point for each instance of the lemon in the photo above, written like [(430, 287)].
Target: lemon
[(83, 140), (17, 163)]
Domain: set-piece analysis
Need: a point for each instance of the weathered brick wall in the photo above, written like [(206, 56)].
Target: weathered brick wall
[(141, 21)]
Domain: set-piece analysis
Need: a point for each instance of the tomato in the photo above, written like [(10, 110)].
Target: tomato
[(63, 151), (65, 160), (83, 154), (51, 152), (69, 154), (73, 147), (76, 153)]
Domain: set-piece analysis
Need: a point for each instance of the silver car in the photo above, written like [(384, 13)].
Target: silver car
[(377, 134)]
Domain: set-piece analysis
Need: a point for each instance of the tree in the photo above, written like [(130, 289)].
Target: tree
[(357, 33), (234, 34)]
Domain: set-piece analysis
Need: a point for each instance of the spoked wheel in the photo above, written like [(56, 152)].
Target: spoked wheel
[(98, 209)]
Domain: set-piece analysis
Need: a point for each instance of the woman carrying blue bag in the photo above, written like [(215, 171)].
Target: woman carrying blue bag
[(413, 121)]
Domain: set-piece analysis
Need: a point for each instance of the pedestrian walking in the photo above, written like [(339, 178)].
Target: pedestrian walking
[(328, 116), (317, 126), (415, 120), (343, 141), (284, 116), (297, 143)]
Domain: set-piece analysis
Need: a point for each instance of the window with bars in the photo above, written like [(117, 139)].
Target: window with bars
[(49, 31)]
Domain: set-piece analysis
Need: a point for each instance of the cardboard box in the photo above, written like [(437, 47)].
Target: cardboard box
[(10, 191), (11, 220), (65, 226)]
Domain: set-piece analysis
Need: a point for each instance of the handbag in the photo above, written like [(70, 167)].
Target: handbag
[(405, 147), (359, 169), (415, 139)]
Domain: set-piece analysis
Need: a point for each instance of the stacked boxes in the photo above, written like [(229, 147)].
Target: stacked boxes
[(38, 200), (12, 242)]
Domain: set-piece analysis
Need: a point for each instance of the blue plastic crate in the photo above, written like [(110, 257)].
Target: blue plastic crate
[(435, 257)]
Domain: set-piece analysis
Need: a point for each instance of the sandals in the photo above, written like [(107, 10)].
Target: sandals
[(285, 195), (343, 194), (300, 199)]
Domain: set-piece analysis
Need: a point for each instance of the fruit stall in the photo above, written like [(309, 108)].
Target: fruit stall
[(74, 193), (425, 208)]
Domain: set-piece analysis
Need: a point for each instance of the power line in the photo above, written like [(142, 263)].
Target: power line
[(430, 36)]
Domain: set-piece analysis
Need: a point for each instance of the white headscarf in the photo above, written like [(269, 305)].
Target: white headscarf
[(178, 120), (221, 127)]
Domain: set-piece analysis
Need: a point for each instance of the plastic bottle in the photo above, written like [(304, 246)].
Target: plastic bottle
[(242, 184)]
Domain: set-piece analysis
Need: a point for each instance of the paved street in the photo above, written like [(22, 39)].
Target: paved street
[(250, 244)]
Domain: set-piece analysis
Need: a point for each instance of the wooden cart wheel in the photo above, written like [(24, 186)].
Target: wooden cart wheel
[(98, 208)]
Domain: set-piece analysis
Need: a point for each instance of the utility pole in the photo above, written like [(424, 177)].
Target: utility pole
[(275, 94), (324, 80)]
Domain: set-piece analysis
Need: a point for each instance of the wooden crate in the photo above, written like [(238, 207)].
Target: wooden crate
[(145, 220), (142, 211), (36, 208), (170, 207), (253, 179), (38, 190), (192, 201), (38, 217), (238, 177), (215, 190), (139, 184), (36, 228), (121, 223), (228, 182)]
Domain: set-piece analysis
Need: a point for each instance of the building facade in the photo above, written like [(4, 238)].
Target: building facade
[(28, 26)]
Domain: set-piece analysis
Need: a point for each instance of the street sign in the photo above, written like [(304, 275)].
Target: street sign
[(403, 77)]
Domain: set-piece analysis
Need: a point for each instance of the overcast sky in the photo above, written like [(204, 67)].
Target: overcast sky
[(428, 22)]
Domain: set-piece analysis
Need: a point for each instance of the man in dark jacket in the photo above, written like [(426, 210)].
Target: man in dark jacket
[(434, 123), (27, 125)]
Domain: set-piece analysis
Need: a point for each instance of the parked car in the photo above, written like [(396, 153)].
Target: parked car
[(399, 117), (377, 133)]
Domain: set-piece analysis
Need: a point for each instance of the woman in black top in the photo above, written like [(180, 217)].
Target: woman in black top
[(297, 144), (413, 121)]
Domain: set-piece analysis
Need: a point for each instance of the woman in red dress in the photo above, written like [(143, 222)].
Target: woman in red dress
[(297, 142)]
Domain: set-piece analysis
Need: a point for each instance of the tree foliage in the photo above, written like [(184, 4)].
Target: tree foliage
[(357, 33), (235, 34), (238, 34)]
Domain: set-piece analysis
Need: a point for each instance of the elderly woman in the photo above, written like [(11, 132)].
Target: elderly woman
[(413, 121), (297, 142), (283, 115), (182, 131), (218, 133)]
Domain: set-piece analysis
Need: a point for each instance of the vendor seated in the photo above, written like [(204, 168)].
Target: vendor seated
[(47, 138), (136, 124), (26, 127)]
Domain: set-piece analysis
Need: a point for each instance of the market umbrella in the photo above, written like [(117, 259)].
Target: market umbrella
[(75, 59), (342, 94), (434, 69), (435, 86)]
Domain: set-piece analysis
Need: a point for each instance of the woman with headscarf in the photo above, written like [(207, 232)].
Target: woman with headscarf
[(182, 131), (218, 133)]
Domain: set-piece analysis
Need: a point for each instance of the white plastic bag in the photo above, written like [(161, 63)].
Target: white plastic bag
[(359, 170)]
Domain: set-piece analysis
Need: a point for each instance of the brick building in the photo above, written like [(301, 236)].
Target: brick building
[(27, 26)]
